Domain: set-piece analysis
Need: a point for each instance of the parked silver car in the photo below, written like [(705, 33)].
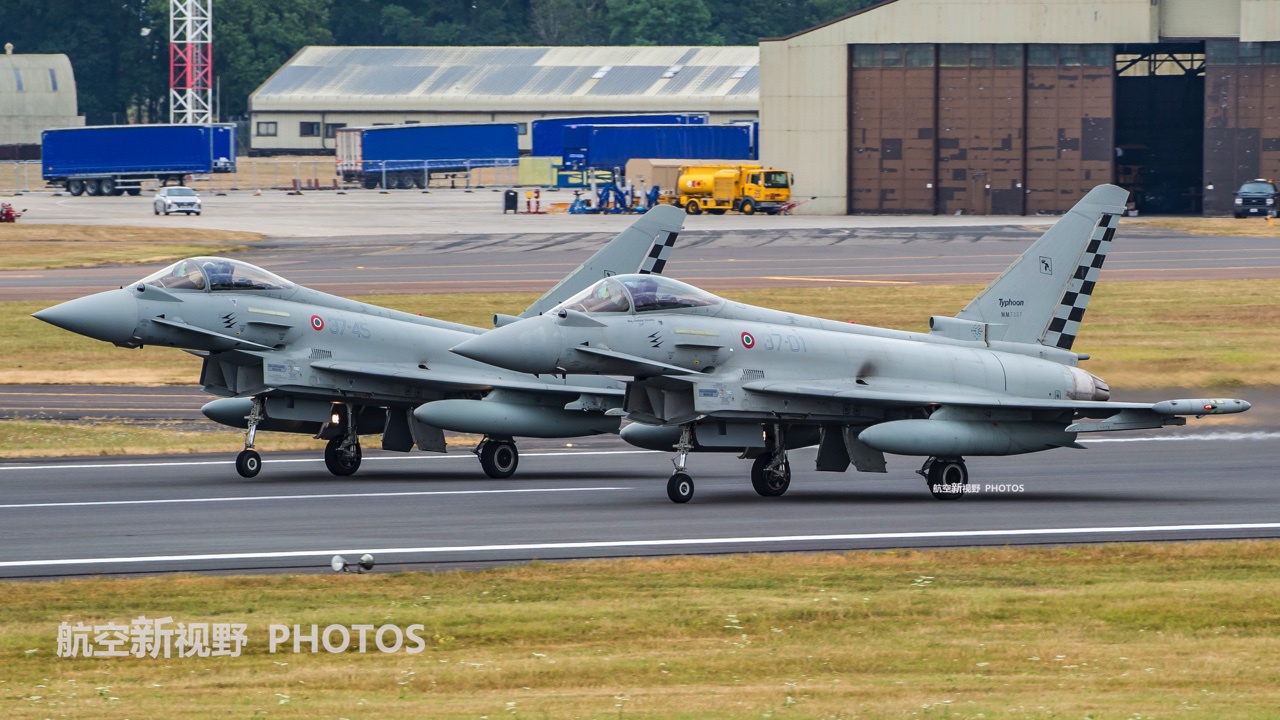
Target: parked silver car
[(176, 199)]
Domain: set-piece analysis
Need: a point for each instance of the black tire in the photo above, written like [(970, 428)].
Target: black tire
[(337, 464), (133, 191), (769, 486), (75, 187), (948, 479), (693, 208), (420, 180), (716, 211), (107, 186), (93, 187), (680, 488), (370, 182), (499, 458), (748, 207), (197, 213), (406, 180), (248, 463)]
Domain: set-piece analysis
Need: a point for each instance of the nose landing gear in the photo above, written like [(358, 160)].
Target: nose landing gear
[(680, 485), (249, 462)]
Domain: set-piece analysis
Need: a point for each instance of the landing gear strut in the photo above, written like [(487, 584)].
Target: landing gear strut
[(771, 473), (498, 457), (249, 462), (680, 485), (948, 478), (342, 454)]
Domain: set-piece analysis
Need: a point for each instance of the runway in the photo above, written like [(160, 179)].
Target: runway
[(714, 259), (604, 499)]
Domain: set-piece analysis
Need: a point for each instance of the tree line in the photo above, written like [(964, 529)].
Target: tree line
[(119, 49)]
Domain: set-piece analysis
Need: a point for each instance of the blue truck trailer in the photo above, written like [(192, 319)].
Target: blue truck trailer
[(406, 156), (605, 147), (547, 134), (117, 159)]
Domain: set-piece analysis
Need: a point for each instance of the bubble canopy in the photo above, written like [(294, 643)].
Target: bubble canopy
[(215, 274), (638, 293)]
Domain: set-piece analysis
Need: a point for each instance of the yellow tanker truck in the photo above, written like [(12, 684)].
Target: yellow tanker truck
[(745, 188)]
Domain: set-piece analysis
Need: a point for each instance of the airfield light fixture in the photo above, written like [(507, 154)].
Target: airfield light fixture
[(340, 564)]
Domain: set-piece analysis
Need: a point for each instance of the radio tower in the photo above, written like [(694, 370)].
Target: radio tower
[(191, 61)]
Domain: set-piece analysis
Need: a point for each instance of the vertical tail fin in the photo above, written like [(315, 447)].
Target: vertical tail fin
[(1042, 296), (642, 248)]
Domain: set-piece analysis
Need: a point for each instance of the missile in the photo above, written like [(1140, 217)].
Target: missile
[(486, 417), (954, 438)]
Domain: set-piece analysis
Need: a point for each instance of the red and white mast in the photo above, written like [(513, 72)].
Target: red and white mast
[(191, 61)]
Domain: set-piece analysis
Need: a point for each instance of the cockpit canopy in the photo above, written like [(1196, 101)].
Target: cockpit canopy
[(641, 293), (215, 274)]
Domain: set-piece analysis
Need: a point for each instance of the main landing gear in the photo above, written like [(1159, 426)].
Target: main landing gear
[(770, 473), (498, 457), (249, 462), (948, 478), (342, 454)]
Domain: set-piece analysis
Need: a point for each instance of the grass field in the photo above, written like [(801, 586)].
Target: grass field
[(25, 246), (1213, 334), (1215, 227), (1114, 631)]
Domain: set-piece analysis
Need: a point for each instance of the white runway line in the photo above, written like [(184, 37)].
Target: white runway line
[(187, 463), (681, 542), (328, 496)]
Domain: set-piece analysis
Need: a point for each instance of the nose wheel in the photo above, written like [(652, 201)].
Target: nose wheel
[(498, 457), (680, 485), (948, 478), (249, 462)]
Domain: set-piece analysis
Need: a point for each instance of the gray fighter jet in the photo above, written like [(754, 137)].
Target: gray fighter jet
[(292, 359), (999, 378)]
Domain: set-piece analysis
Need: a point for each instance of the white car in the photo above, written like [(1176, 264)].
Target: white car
[(176, 199)]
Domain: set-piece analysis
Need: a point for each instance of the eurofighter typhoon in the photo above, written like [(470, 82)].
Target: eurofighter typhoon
[(291, 359), (999, 378)]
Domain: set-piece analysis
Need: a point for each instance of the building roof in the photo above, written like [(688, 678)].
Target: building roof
[(519, 79)]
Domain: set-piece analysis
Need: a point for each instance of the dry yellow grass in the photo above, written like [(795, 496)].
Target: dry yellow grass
[(1116, 631), (27, 246), (1215, 227)]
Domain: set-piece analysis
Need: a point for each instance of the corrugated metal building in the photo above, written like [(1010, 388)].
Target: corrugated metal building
[(324, 88), (36, 92), (1021, 106)]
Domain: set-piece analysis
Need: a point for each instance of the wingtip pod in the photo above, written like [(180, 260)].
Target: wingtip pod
[(1200, 406)]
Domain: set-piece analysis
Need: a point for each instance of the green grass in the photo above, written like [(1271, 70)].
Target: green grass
[(1115, 631), (1214, 334), (26, 246)]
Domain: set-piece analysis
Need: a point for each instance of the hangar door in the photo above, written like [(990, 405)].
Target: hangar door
[(978, 128)]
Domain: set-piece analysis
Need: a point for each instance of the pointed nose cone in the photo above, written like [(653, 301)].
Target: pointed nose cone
[(532, 346), (110, 316)]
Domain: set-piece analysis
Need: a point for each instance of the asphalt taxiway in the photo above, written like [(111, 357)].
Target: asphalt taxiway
[(604, 499)]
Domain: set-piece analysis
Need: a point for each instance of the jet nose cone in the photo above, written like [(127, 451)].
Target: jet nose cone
[(110, 316), (531, 346)]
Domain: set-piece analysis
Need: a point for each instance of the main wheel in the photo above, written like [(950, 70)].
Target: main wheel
[(680, 488), (370, 182), (948, 479), (340, 463), (93, 186), (770, 484), (107, 186), (75, 187), (499, 458), (406, 180), (748, 207), (248, 463), (693, 208), (420, 180), (133, 191), (716, 211)]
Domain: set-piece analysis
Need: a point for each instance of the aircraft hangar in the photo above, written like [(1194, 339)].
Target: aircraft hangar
[(1020, 107), (322, 89)]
